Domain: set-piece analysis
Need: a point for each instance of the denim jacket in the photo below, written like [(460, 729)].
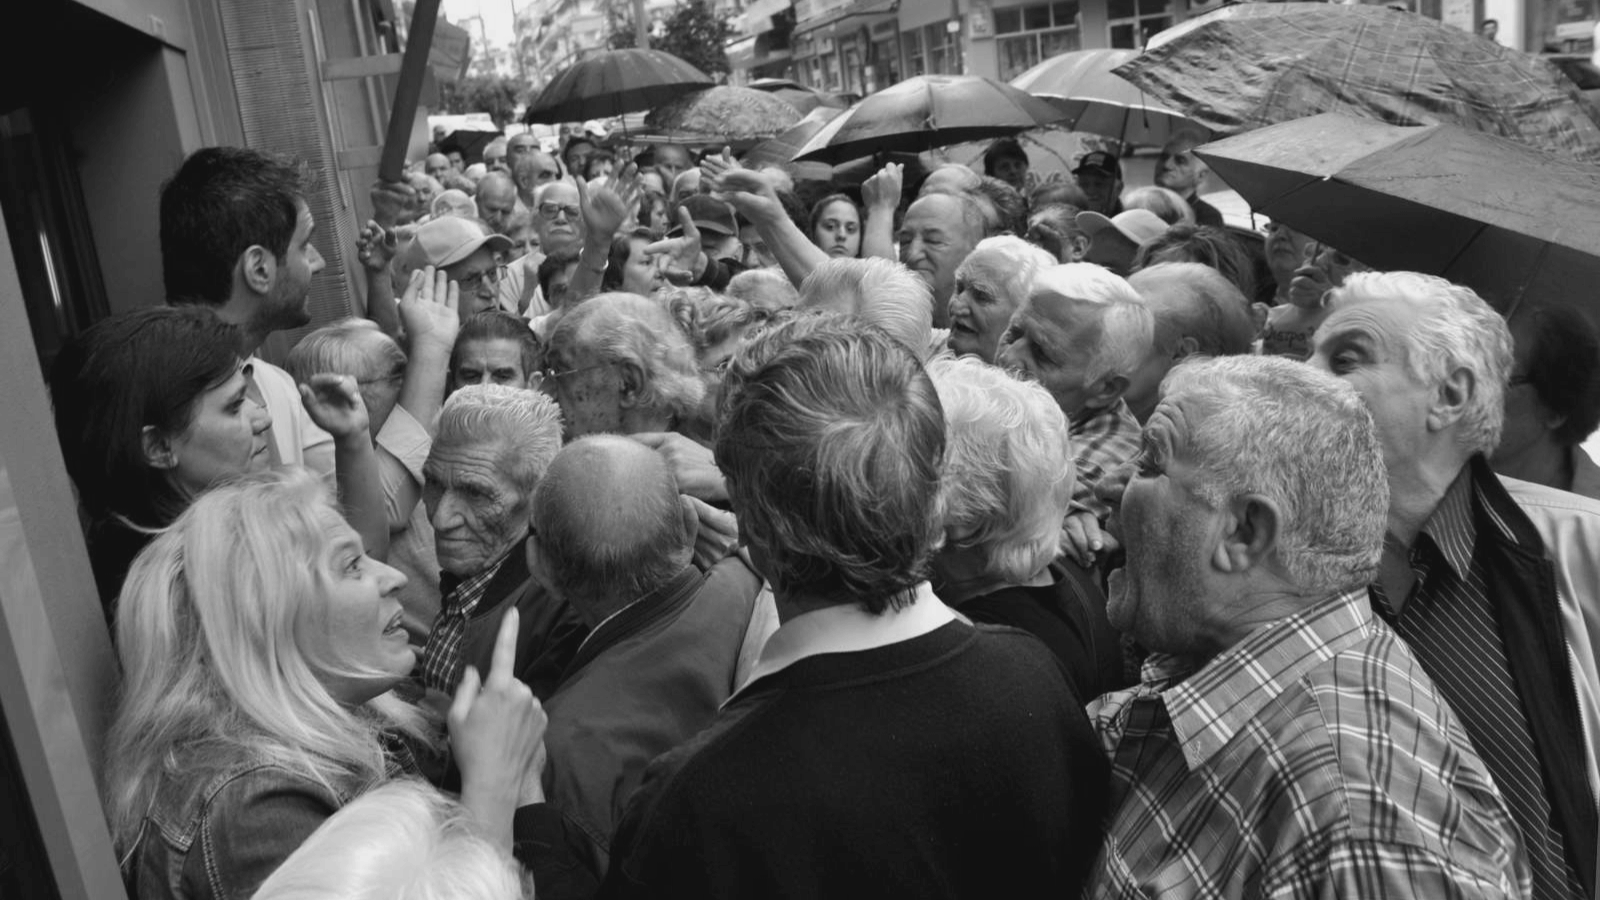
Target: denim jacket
[(218, 833)]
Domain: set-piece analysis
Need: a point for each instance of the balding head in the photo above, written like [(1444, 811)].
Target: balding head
[(497, 200), (437, 165), (1196, 312), (531, 169), (609, 525)]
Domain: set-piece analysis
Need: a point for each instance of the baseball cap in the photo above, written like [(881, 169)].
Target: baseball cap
[(708, 214), (447, 240), (1100, 161), (1137, 225), (594, 128)]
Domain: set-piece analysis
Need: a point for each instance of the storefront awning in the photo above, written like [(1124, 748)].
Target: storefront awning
[(856, 10)]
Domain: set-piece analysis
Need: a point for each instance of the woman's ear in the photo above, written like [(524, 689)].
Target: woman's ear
[(158, 452)]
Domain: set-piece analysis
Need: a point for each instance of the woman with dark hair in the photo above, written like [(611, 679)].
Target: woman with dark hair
[(1006, 160), (835, 225), (152, 407), (629, 268)]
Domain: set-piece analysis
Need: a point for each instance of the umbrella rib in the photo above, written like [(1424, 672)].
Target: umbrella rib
[(1482, 227)]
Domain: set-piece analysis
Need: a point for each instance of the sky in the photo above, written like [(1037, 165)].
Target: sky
[(496, 18)]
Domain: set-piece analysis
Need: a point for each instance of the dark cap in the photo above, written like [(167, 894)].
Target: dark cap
[(708, 214), (1100, 161)]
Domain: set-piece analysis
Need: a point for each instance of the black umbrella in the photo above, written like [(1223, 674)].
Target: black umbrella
[(613, 82)]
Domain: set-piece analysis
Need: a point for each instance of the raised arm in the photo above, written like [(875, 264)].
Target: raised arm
[(755, 198), (375, 248), (429, 309), (605, 210), (334, 403), (880, 195)]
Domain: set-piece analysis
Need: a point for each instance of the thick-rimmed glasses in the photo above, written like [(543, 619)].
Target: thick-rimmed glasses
[(473, 282), (551, 210)]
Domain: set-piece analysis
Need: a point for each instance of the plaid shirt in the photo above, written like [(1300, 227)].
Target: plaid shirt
[(1311, 759), (1103, 442), (441, 656)]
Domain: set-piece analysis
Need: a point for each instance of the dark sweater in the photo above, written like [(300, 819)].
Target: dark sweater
[(1069, 615), (955, 764)]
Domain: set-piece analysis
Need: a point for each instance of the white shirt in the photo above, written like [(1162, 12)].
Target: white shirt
[(299, 441)]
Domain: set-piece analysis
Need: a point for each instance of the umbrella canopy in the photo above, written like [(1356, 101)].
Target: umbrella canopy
[(613, 82), (925, 112), (724, 113), (1098, 102), (798, 95), (1256, 64), (1515, 224)]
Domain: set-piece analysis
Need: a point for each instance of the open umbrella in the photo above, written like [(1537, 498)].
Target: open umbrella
[(798, 95), (1255, 64), (724, 113), (1098, 102), (1514, 223), (781, 149), (925, 112), (613, 82)]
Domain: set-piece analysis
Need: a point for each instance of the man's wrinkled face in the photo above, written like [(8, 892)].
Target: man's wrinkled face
[(489, 361), (1178, 169), (497, 201), (934, 239), (557, 217), (477, 511), (1051, 340), (1101, 189), (437, 166), (1365, 343), (1168, 528), (494, 158), (588, 390), (671, 161), (519, 146), (478, 279)]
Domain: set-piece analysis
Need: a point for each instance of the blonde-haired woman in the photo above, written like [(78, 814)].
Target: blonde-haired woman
[(1007, 485), (261, 649)]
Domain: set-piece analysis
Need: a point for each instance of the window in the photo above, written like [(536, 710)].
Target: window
[(943, 49), (1133, 22), (1029, 35), (886, 64), (916, 63)]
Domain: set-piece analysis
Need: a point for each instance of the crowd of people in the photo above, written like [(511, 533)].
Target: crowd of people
[(665, 527)]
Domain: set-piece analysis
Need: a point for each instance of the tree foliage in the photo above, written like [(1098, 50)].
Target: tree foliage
[(496, 95), (693, 32)]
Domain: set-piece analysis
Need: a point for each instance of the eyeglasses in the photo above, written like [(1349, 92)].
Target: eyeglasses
[(548, 373), (473, 282), (552, 210)]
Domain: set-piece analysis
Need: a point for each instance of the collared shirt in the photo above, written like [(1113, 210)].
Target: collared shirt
[(1104, 441), (1449, 624), (1311, 759), (441, 656), (1585, 474), (846, 628)]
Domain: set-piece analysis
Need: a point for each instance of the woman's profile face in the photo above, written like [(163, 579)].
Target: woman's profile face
[(358, 643), (226, 437), (640, 274), (839, 230)]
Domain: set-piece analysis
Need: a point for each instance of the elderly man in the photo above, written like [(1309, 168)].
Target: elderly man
[(495, 155), (618, 363), (437, 166), (1115, 241), (557, 217), (492, 446), (1494, 583), (1179, 169), (1082, 333), (1292, 741), (671, 160), (844, 767), (467, 254), (531, 169), (1054, 228), (497, 201), (615, 541), (938, 232), (1196, 311), (494, 347)]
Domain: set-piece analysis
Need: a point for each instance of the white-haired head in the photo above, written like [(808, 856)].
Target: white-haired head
[(1127, 327), (879, 291), (525, 424)]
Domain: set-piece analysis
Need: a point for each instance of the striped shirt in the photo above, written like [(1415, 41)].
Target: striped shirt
[(1449, 625), (1101, 444), (1311, 759)]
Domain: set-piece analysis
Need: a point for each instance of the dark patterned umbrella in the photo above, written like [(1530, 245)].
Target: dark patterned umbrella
[(724, 113), (1256, 64), (925, 112), (612, 82), (1516, 224), (798, 95)]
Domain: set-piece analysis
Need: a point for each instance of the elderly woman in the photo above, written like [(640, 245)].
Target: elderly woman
[(629, 268), (261, 648), (990, 284), (1007, 485), (152, 408)]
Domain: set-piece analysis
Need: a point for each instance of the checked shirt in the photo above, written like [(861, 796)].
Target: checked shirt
[(1102, 443), (1312, 759)]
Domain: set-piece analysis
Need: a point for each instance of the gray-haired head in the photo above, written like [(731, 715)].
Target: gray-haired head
[(1278, 428), (831, 438), (354, 347), (638, 341), (610, 526), (876, 290), (1454, 329), (768, 289), (1062, 296), (1009, 475), (1168, 204), (1196, 311), (524, 424)]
